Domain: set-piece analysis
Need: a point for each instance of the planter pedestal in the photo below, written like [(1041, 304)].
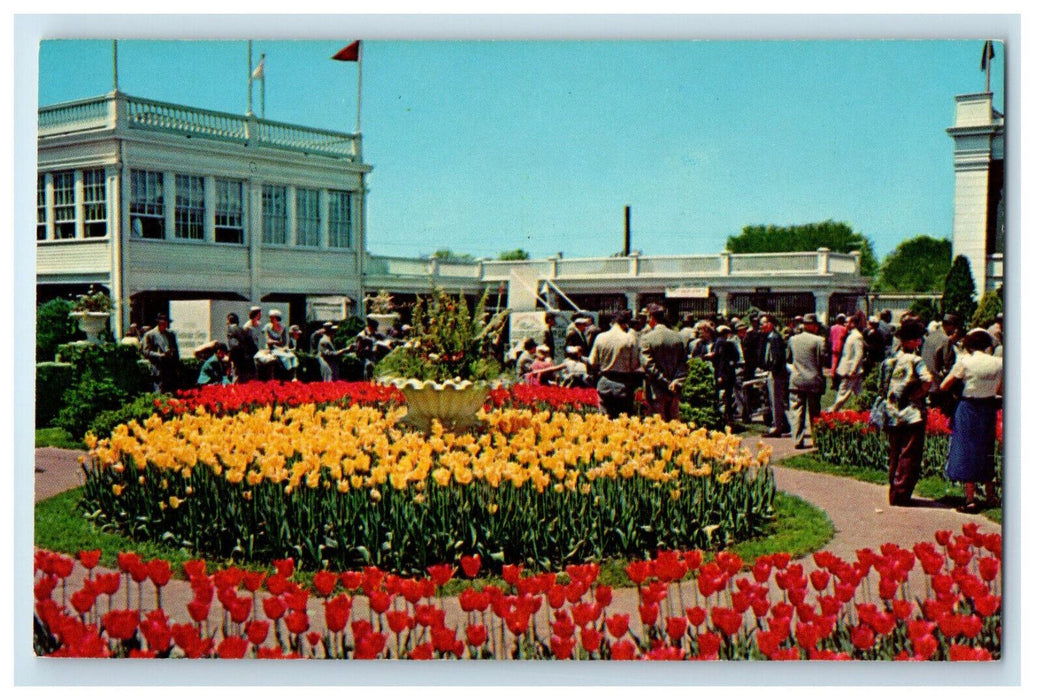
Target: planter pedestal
[(92, 323), (454, 404)]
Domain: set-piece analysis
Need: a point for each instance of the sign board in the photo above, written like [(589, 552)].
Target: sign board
[(532, 324), (687, 292), (331, 308)]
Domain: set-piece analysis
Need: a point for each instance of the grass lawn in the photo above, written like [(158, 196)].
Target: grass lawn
[(57, 437), (935, 488), (60, 526)]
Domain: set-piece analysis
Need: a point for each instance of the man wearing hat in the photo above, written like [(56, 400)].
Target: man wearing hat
[(809, 356), (615, 358), (724, 358), (774, 361), (159, 346), (575, 335), (664, 359), (904, 383), (328, 355), (851, 366), (317, 335), (241, 349), (938, 352)]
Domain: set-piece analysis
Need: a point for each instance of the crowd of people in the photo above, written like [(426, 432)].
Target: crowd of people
[(258, 350), (782, 370)]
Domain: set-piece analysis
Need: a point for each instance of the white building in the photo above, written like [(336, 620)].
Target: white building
[(156, 202), (978, 226), (159, 202)]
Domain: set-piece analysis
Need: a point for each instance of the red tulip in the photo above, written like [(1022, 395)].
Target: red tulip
[(618, 625), (591, 639), (89, 559), (603, 596), (649, 614), (284, 567), (512, 573), (863, 637), (351, 580), (83, 600), (159, 572), (107, 583), (422, 652), (232, 648), (695, 615), (370, 646), (638, 571), (121, 624), (441, 573), (709, 645), (562, 647), (198, 610), (195, 567), (676, 627), (257, 631), (925, 646), (324, 582), (476, 635), (623, 650), (471, 565), (398, 620), (726, 620), (379, 601), (297, 622), (989, 568), (274, 607)]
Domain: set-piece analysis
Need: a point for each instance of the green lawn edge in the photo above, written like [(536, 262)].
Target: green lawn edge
[(59, 525), (934, 488)]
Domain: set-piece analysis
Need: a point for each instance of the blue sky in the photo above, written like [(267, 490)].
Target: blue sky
[(486, 146)]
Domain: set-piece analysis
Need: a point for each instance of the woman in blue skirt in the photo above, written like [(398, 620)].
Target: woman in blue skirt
[(972, 447)]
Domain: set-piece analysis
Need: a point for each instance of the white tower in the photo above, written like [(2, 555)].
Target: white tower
[(978, 226)]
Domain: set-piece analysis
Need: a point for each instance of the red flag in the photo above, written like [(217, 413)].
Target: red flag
[(349, 52)]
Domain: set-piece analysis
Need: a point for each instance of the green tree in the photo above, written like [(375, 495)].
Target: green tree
[(988, 309), (448, 254), (516, 254), (926, 309), (54, 327), (959, 296), (917, 265), (836, 236)]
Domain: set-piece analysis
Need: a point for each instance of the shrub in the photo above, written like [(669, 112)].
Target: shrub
[(698, 398), (959, 295), (52, 378), (119, 364), (85, 400), (139, 409), (988, 309), (54, 327)]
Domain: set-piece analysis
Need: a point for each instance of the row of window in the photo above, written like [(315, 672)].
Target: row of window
[(301, 225), (63, 204)]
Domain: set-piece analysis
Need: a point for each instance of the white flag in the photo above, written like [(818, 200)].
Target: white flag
[(258, 72)]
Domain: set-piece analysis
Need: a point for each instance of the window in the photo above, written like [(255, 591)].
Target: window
[(64, 204), (189, 207), (41, 207), (273, 204), (339, 219), (307, 217), (228, 211), (146, 204), (95, 218)]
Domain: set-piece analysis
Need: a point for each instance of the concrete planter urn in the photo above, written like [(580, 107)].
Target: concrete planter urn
[(92, 323), (386, 321), (454, 403)]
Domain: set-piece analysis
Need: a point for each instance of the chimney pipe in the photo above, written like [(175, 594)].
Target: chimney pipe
[(626, 231)]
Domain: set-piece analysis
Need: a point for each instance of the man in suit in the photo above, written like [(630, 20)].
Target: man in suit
[(809, 355), (939, 355), (615, 357), (663, 356), (851, 365), (159, 346), (778, 385)]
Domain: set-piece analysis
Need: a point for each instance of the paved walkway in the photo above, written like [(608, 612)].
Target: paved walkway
[(859, 512)]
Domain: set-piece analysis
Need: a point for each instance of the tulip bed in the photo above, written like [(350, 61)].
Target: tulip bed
[(343, 486), (864, 609), (846, 437)]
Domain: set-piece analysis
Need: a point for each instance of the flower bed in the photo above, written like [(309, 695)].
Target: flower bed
[(846, 437), (864, 609), (221, 400), (344, 486)]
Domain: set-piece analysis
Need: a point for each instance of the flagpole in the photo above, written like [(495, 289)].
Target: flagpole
[(115, 66), (358, 116), (249, 72), (262, 79)]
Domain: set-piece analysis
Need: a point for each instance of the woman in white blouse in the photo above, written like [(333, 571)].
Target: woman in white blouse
[(972, 446)]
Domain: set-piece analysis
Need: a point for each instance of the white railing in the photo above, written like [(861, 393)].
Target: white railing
[(118, 111), (74, 116), (682, 266)]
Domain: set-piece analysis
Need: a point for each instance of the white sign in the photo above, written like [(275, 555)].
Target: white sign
[(687, 292)]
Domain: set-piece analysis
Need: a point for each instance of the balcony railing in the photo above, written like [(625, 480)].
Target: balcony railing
[(822, 262), (118, 111)]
